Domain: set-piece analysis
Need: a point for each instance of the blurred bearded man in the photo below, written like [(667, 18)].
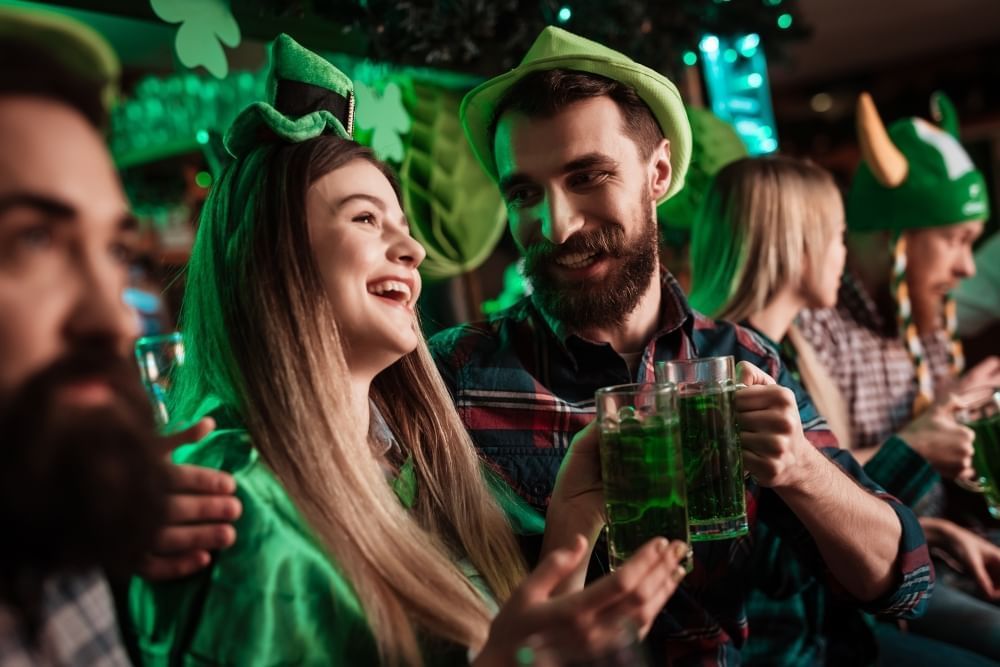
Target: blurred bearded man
[(82, 486)]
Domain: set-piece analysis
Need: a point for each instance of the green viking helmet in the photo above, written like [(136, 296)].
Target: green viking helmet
[(914, 176)]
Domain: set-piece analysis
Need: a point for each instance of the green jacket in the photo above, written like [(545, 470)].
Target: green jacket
[(273, 598)]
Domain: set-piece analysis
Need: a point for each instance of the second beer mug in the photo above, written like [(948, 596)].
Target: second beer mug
[(710, 437)]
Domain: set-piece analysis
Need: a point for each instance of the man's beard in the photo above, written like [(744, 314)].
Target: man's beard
[(80, 486), (604, 301)]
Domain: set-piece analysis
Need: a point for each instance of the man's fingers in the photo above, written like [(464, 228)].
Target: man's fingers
[(759, 397), (750, 375), (192, 433), (767, 422), (159, 568), (180, 539), (199, 480), (182, 509)]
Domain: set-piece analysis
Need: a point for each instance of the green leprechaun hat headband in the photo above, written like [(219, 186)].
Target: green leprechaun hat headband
[(558, 49), (306, 97), (915, 176)]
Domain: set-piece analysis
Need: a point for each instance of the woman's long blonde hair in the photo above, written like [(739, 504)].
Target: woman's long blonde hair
[(762, 222), (262, 341)]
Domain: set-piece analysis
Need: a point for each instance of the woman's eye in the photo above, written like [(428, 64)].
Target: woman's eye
[(366, 218)]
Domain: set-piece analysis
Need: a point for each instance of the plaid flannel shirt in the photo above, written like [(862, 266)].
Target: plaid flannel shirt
[(868, 360), (524, 385), (78, 627), (812, 626)]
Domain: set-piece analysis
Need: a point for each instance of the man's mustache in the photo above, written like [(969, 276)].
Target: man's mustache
[(607, 240)]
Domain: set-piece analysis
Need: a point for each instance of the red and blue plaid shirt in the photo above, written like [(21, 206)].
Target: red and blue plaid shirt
[(524, 385)]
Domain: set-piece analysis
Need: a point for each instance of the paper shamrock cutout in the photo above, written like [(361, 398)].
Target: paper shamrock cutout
[(204, 24), (385, 116)]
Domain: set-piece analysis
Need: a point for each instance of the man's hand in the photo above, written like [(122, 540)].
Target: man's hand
[(941, 440), (977, 557), (774, 447), (980, 381), (579, 492), (200, 509)]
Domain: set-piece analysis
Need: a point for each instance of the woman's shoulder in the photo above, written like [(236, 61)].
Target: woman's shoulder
[(276, 578)]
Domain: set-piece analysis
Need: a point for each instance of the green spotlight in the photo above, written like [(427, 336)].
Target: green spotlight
[(203, 179), (785, 21)]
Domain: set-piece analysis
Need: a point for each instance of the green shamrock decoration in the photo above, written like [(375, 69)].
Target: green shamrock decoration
[(385, 116), (204, 24)]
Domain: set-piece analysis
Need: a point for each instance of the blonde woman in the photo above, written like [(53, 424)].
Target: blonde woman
[(768, 243), (370, 531)]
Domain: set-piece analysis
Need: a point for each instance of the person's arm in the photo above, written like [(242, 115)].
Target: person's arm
[(857, 533), (898, 469)]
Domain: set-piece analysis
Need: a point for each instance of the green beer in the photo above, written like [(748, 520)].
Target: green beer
[(713, 459), (713, 464), (643, 484), (987, 459)]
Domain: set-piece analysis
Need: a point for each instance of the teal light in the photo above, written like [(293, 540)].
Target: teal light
[(785, 21), (749, 44), (565, 13), (772, 3), (202, 136), (203, 179), (730, 55), (690, 58), (709, 44), (755, 80)]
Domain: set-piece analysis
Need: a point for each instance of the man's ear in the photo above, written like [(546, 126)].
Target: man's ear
[(660, 172)]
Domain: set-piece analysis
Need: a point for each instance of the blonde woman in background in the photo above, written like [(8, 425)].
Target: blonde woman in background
[(768, 243)]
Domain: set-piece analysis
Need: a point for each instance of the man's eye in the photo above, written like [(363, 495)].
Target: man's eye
[(36, 237), (587, 178), (123, 253), (522, 197)]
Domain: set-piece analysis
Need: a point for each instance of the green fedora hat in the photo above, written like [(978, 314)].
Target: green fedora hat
[(306, 97), (558, 49)]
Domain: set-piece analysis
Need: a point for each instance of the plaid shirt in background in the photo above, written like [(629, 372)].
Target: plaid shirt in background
[(524, 386), (78, 627), (868, 360)]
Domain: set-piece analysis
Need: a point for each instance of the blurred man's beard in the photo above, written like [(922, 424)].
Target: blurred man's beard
[(602, 301), (80, 486)]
